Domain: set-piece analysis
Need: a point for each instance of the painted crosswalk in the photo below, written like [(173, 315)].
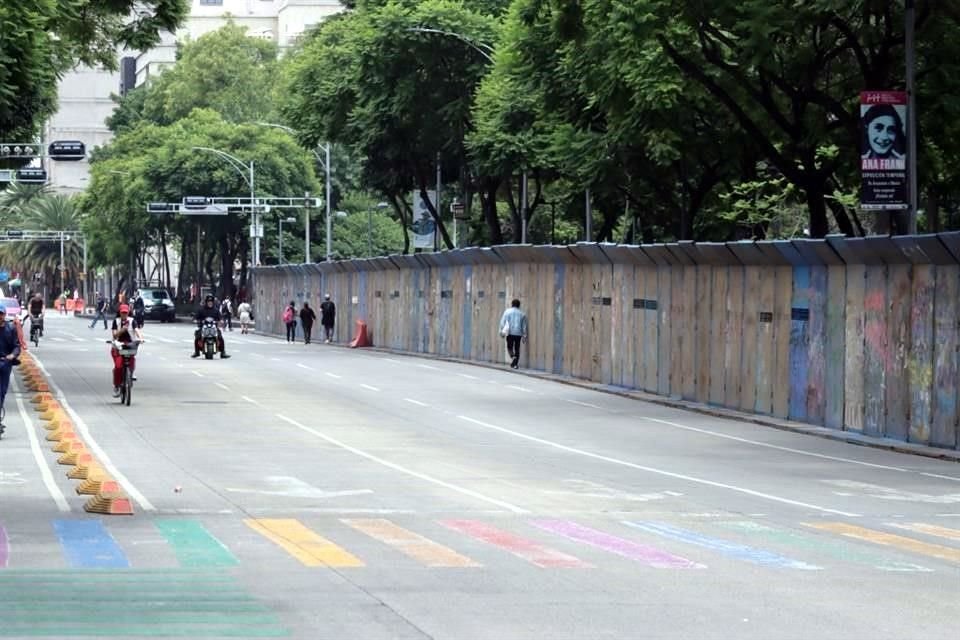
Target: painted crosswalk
[(543, 543)]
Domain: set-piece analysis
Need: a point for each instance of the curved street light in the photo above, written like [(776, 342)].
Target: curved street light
[(483, 49), (242, 169)]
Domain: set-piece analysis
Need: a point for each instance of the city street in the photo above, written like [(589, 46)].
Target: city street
[(312, 491)]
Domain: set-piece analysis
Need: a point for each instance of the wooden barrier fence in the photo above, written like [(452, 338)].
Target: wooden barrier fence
[(858, 334)]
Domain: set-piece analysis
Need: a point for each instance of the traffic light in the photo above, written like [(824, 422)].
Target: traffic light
[(31, 175), (18, 150), (72, 150), (162, 207)]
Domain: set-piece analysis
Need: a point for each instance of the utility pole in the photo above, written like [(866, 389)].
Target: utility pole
[(910, 18), (588, 221)]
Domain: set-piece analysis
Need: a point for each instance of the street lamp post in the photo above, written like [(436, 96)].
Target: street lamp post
[(242, 168), (280, 237), (325, 163)]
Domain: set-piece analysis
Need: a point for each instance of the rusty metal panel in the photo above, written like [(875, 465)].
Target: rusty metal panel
[(933, 249), (770, 253), (887, 251), (680, 257), (951, 241), (789, 253), (659, 254), (509, 252), (385, 264), (442, 258), (639, 256), (747, 252), (689, 248), (405, 262), (826, 253), (559, 254), (428, 259), (422, 260), (859, 252), (716, 253), (908, 246), (589, 253), (805, 247), (617, 253)]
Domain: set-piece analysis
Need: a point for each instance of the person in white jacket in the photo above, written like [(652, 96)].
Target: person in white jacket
[(513, 327)]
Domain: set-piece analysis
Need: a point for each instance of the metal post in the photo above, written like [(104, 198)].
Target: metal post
[(553, 222), (523, 209), (588, 219), (306, 227), (256, 221), (910, 17), (280, 241), (369, 233), (199, 277), (329, 219), (86, 274), (436, 227), (62, 270)]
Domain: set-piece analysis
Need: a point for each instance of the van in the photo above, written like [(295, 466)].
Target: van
[(158, 304)]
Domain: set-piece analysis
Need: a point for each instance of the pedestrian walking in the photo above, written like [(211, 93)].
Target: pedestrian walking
[(9, 352), (307, 318), (226, 312), (63, 302), (328, 316), (290, 319), (513, 327), (101, 312), (245, 312)]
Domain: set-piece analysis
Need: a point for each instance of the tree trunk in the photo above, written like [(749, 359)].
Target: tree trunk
[(488, 202), (435, 214), (397, 202), (816, 205)]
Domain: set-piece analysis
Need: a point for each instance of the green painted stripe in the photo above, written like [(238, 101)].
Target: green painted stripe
[(124, 574), (148, 607), (135, 617), (172, 630), (835, 549), (193, 545), (125, 596), (79, 587)]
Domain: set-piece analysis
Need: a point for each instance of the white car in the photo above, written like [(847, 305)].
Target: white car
[(158, 305)]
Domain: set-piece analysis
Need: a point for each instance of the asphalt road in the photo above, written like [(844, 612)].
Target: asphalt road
[(310, 491)]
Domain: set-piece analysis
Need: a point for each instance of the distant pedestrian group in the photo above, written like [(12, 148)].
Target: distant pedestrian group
[(308, 318)]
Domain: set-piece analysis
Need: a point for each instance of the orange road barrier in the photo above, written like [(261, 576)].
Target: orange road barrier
[(362, 338), (73, 452), (110, 500)]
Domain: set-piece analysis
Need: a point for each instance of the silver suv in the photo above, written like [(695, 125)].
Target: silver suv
[(158, 305)]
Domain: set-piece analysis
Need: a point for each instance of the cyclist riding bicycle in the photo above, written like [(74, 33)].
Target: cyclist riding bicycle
[(125, 331), (36, 313), (208, 310), (9, 352)]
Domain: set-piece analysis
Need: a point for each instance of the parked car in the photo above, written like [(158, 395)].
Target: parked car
[(158, 305), (13, 307)]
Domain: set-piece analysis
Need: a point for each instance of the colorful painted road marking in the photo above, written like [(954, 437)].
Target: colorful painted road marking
[(193, 545), (725, 547), (889, 539), (531, 551), (87, 544), (928, 529), (645, 554), (839, 550), (4, 547), (309, 548), (423, 550)]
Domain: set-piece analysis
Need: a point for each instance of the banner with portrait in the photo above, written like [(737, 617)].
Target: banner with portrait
[(424, 228), (883, 150)]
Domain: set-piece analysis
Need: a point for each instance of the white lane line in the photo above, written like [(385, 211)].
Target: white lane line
[(801, 452), (416, 402), (937, 475), (391, 360), (187, 341), (333, 375), (275, 359), (166, 340), (45, 472), (162, 358), (79, 340), (251, 401), (222, 386), (303, 366), (367, 386), (101, 455), (72, 335), (56, 339), (662, 472), (426, 366), (584, 404), (402, 469), (197, 373), (468, 376), (513, 386)]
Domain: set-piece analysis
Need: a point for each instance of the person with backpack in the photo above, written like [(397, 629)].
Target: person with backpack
[(9, 353), (290, 319), (328, 315)]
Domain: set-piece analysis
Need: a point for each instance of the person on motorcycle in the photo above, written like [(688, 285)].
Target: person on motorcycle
[(124, 331), (36, 313), (208, 310)]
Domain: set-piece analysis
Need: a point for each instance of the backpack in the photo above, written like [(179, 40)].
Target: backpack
[(288, 315)]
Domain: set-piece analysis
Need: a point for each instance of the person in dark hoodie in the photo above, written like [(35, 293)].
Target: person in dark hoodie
[(307, 318)]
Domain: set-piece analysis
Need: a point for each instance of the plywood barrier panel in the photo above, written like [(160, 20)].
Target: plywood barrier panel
[(799, 344), (444, 318), (719, 332), (465, 306), (897, 382), (875, 351), (782, 329), (689, 348), (572, 319), (816, 354), (559, 302), (704, 336), (617, 330), (679, 326), (638, 342), (944, 424), (833, 383), (752, 282), (540, 316), (599, 329), (951, 241), (920, 366), (651, 334), (492, 309), (854, 365), (664, 329), (766, 350), (733, 359)]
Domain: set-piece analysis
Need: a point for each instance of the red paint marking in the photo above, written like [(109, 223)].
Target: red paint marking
[(529, 550)]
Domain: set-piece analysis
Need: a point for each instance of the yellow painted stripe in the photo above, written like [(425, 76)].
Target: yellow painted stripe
[(303, 544), (929, 529), (889, 539), (421, 549)]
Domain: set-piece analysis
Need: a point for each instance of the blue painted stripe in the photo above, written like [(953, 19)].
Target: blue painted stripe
[(87, 544), (559, 279), (799, 346), (727, 548)]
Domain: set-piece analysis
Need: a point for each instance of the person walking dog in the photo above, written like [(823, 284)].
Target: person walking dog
[(513, 327)]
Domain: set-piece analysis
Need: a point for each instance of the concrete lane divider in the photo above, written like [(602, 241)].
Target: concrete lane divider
[(87, 467), (110, 500), (73, 452), (93, 483)]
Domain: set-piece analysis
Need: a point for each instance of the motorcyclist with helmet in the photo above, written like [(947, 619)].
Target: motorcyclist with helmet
[(208, 310)]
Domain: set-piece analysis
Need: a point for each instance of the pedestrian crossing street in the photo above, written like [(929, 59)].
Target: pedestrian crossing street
[(475, 544)]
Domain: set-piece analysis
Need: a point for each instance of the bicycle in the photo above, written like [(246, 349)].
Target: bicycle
[(36, 330), (126, 351)]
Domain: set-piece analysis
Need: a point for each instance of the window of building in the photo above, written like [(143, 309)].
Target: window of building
[(211, 2)]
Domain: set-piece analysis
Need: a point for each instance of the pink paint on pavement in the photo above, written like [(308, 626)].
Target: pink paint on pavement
[(529, 550), (642, 553)]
